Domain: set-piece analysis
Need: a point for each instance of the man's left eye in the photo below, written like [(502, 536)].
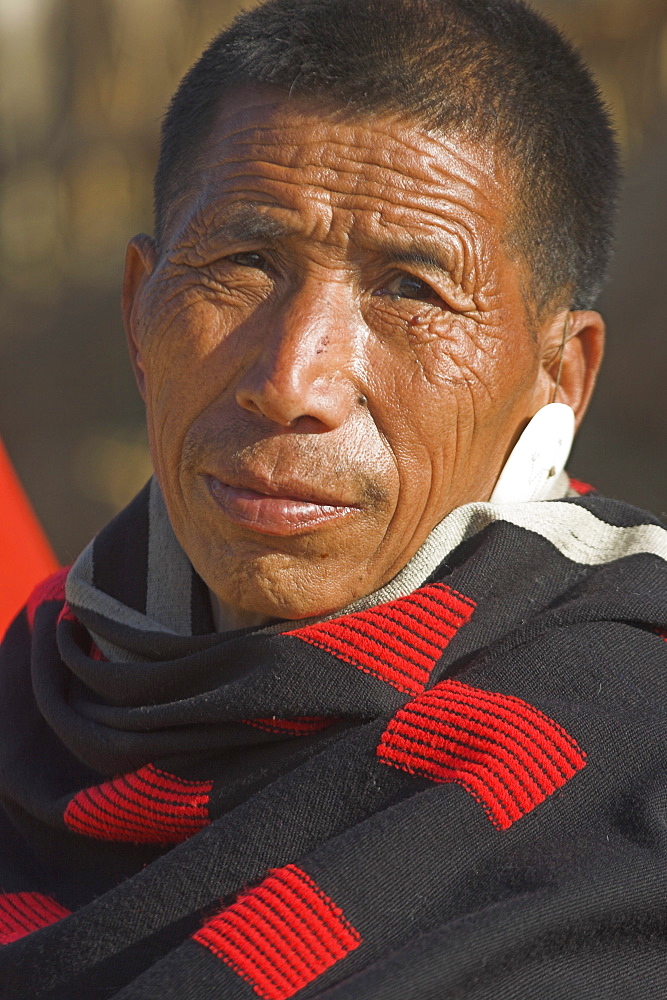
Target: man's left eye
[(250, 259), (407, 286)]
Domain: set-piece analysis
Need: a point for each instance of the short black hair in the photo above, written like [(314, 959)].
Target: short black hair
[(494, 71)]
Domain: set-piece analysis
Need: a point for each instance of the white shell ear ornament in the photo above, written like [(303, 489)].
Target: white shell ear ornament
[(540, 454), (538, 457)]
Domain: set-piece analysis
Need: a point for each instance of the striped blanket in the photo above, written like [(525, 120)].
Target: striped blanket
[(455, 788)]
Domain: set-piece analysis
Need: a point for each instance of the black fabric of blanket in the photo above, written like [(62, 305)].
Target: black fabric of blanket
[(458, 793)]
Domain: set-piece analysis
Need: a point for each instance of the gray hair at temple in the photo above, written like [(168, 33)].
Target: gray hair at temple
[(493, 71)]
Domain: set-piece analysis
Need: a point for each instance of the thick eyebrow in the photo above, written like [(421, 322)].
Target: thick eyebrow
[(421, 253), (418, 258), (244, 223)]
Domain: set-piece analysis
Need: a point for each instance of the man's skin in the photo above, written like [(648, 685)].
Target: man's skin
[(335, 349)]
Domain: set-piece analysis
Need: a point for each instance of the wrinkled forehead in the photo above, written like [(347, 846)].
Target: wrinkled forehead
[(274, 166)]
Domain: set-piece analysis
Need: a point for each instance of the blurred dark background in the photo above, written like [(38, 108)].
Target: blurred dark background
[(83, 84)]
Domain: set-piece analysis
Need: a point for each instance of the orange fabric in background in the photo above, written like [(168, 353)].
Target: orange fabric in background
[(25, 554)]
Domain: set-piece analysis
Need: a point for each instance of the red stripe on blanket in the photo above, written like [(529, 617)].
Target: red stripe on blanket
[(66, 614), (662, 632), (51, 589), (148, 806), (281, 935), (22, 913), (95, 652), (580, 487), (300, 726), (398, 642), (507, 754)]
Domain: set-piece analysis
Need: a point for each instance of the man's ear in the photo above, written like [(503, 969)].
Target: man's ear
[(572, 351), (139, 263)]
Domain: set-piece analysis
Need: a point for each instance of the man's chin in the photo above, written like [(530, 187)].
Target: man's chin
[(261, 588)]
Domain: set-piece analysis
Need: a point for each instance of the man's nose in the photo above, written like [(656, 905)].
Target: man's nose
[(302, 362)]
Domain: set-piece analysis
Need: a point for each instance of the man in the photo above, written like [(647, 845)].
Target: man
[(321, 713)]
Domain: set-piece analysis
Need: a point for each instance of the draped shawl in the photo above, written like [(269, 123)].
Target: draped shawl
[(456, 788)]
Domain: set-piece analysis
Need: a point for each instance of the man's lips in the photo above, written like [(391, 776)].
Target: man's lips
[(275, 512)]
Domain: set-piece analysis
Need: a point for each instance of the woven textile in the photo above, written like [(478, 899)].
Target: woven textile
[(455, 788)]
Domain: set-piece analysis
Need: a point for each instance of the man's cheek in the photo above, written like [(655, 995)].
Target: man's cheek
[(180, 376), (169, 413), (443, 444)]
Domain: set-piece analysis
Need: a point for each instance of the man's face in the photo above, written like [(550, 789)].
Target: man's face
[(333, 348)]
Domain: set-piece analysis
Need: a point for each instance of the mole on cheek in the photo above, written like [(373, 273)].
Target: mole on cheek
[(416, 321)]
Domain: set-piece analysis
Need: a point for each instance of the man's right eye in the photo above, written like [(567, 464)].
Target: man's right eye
[(250, 259)]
